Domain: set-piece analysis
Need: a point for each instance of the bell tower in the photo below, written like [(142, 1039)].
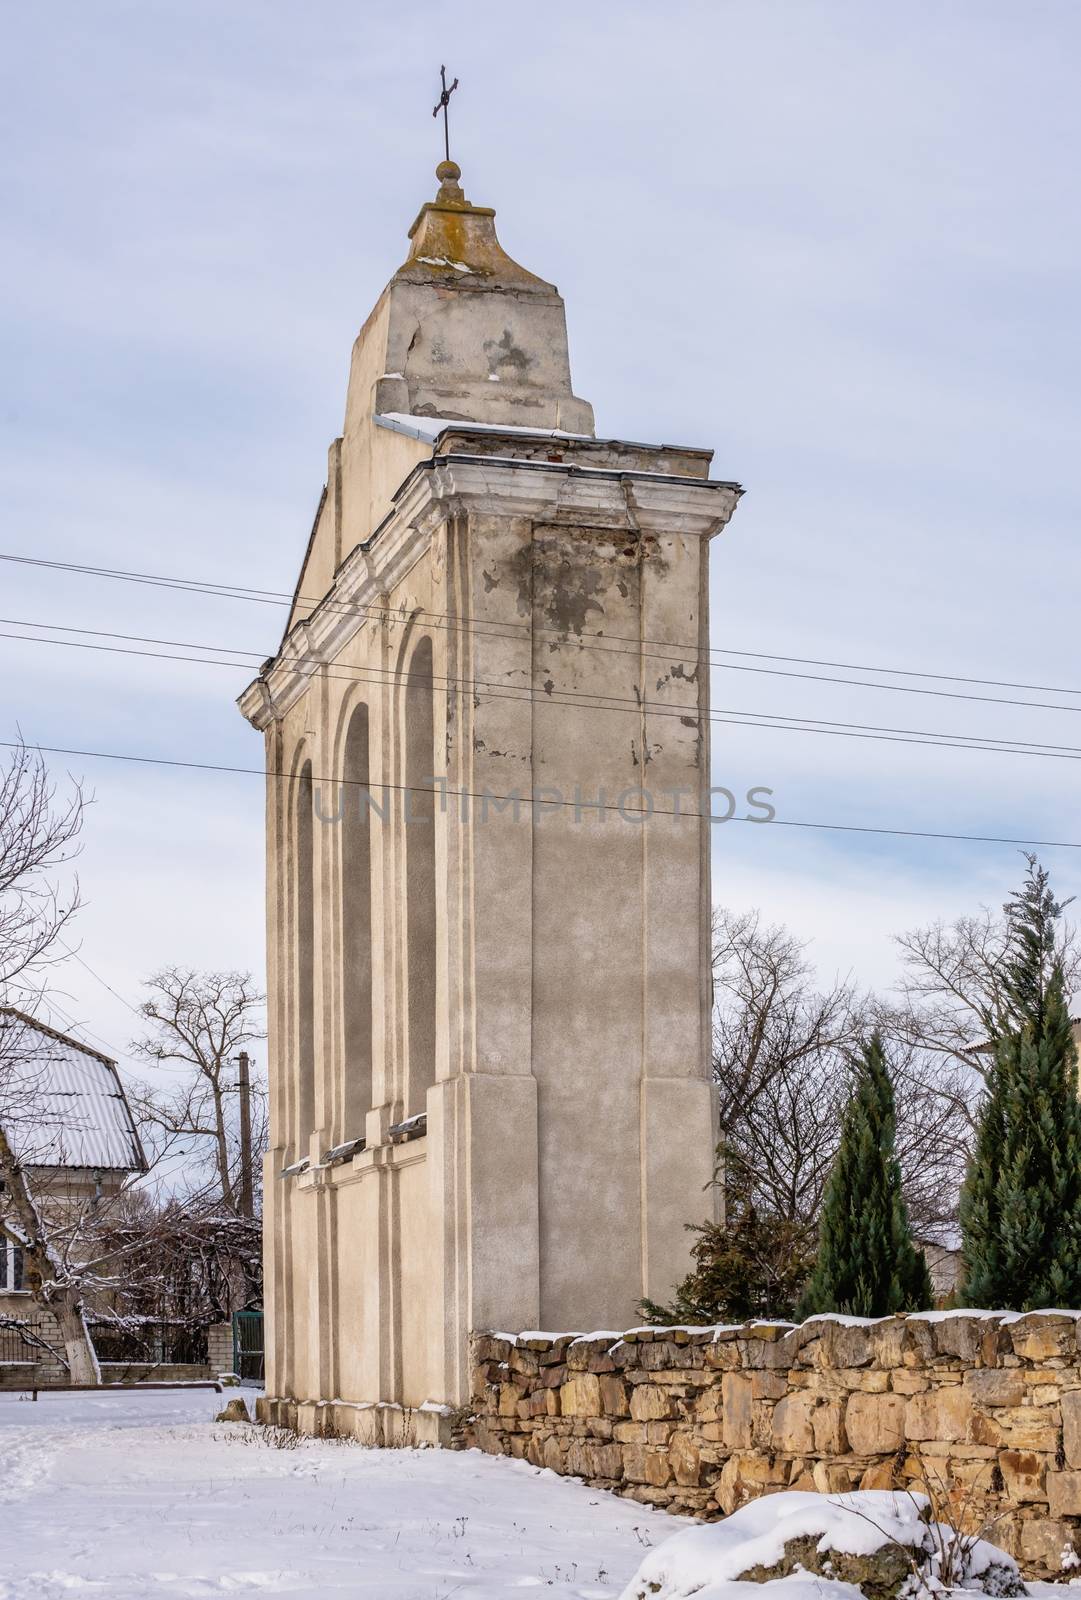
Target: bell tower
[(487, 748)]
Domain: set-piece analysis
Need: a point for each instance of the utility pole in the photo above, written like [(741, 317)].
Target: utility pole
[(243, 1083)]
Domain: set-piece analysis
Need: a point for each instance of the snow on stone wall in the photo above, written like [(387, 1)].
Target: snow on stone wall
[(701, 1420)]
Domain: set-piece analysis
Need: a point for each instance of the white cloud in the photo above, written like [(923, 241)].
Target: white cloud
[(839, 243)]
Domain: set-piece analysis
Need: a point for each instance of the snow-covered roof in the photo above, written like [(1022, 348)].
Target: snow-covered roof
[(428, 429), (67, 1106)]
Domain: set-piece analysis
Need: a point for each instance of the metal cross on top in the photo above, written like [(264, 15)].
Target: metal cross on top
[(441, 106)]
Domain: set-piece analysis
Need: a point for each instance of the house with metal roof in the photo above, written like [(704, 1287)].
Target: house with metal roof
[(65, 1112)]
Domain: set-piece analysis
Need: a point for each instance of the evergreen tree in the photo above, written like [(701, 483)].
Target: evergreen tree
[(1021, 1200), (867, 1264), (751, 1265)]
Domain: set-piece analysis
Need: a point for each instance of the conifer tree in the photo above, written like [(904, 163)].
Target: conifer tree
[(1021, 1200), (751, 1265), (867, 1264)]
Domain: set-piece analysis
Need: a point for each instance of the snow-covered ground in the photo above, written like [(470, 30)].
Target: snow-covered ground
[(136, 1497)]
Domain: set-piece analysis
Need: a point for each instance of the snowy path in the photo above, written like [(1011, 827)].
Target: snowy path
[(143, 1497)]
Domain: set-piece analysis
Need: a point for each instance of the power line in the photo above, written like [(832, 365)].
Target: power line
[(51, 1004), (784, 722), (578, 805), (479, 626), (99, 979)]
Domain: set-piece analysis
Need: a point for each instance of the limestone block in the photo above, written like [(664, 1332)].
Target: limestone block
[(917, 1344), (649, 1402), (888, 1343), (990, 1386), (646, 1495), (659, 1432), (906, 1381), (1023, 1474), (685, 1460), (1017, 1428), (842, 1346), (709, 1405), (958, 1336), (659, 1356), (830, 1477), (1071, 1427), (553, 1454), (875, 1423), (584, 1352), (1064, 1494), (1043, 1542), (1039, 1338), (629, 1433), (613, 1392), (723, 1357), (509, 1396), (769, 1385), (871, 1380), (828, 1423), (486, 1347), (580, 1396), (607, 1461), (641, 1464), (942, 1415), (767, 1344), (791, 1429), (746, 1475), (882, 1475), (738, 1416)]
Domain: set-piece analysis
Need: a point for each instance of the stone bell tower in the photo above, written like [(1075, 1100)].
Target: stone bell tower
[(487, 748)]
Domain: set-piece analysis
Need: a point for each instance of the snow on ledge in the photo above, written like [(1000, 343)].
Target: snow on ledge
[(718, 1330), (428, 429)]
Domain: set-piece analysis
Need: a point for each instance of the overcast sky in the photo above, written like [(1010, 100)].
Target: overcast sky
[(837, 242)]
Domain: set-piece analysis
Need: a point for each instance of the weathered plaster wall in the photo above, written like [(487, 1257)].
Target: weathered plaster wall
[(700, 1420), (517, 955)]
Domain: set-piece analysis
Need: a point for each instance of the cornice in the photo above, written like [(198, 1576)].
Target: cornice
[(437, 489)]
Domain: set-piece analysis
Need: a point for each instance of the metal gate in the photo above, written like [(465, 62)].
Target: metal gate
[(248, 1345)]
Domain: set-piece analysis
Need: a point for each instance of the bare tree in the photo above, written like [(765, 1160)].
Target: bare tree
[(190, 1263), (782, 1052), (953, 995), (780, 1049), (768, 1016), (38, 837), (200, 1022)]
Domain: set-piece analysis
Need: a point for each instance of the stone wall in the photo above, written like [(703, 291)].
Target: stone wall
[(699, 1420)]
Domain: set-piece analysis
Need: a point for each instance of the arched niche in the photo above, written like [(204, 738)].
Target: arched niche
[(356, 976), (304, 879), (419, 812)]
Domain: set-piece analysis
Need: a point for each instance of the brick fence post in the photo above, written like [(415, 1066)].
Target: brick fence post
[(220, 1347)]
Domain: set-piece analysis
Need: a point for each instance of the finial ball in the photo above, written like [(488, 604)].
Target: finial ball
[(448, 172)]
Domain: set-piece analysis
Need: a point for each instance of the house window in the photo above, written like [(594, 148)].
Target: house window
[(11, 1265)]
